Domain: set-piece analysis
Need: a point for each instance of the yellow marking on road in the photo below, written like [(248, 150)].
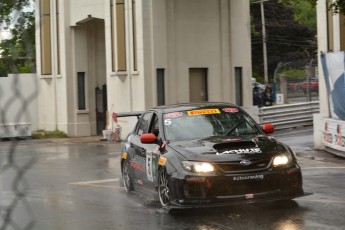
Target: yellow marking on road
[(96, 183)]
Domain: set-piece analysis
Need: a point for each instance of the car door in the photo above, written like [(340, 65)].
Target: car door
[(146, 155), (152, 154), (138, 159)]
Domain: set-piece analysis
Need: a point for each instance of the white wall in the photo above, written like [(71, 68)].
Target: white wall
[(174, 35), (18, 100), (81, 9)]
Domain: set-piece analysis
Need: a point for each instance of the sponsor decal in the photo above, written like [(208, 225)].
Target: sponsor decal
[(124, 155), (251, 177), (162, 161), (232, 139), (245, 162), (241, 151), (173, 115), (149, 166), (202, 112), (249, 196), (195, 179), (230, 110), (139, 163)]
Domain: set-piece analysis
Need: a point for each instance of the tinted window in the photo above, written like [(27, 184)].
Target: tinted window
[(203, 123), (144, 123)]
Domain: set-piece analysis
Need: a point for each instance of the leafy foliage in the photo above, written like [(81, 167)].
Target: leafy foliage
[(287, 38), (304, 12), (338, 6), (18, 52)]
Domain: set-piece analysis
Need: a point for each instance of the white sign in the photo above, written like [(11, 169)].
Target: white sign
[(279, 98)]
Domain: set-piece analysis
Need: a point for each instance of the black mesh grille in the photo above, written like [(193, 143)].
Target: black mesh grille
[(236, 166)]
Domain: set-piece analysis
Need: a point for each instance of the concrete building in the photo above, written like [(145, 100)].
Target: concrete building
[(146, 53), (331, 38)]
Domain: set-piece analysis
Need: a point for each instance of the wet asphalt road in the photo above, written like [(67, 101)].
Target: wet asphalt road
[(73, 184)]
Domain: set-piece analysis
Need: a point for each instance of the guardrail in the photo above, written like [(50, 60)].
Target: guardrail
[(289, 116)]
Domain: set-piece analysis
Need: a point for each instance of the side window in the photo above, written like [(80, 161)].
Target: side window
[(155, 125), (144, 123)]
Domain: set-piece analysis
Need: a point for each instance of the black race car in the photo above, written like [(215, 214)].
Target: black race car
[(207, 154)]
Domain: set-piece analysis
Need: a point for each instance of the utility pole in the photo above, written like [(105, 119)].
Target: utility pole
[(264, 49)]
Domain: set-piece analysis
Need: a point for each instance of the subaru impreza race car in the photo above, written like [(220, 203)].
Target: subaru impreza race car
[(207, 154)]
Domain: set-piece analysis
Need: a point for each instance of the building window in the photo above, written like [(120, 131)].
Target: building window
[(112, 31), (160, 87), (330, 35), (342, 32), (238, 85), (57, 36), (81, 90), (121, 35), (45, 35), (135, 65)]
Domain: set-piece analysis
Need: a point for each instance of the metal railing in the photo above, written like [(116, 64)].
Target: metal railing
[(289, 116)]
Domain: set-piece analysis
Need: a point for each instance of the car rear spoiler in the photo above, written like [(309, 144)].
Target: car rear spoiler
[(129, 114)]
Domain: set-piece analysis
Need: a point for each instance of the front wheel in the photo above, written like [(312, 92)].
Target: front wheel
[(127, 180), (164, 188)]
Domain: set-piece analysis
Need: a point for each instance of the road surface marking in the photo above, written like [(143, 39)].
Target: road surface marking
[(95, 183)]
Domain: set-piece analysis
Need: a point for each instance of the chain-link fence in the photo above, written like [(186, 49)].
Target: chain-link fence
[(18, 95), (297, 81), (15, 104)]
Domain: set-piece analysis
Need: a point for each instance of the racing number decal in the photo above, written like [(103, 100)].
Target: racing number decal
[(167, 122), (149, 166)]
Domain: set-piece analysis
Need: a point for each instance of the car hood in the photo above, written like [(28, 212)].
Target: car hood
[(218, 149)]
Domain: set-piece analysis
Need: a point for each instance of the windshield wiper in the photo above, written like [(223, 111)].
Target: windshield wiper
[(233, 128)]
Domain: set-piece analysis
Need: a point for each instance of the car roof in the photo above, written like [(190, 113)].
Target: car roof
[(191, 105)]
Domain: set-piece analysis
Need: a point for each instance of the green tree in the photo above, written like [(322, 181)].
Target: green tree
[(17, 54), (287, 39), (338, 6), (304, 12)]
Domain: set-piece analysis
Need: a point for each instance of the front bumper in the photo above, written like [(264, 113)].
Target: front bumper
[(219, 190)]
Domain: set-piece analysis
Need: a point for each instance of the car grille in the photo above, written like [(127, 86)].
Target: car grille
[(223, 188), (236, 166), (230, 187)]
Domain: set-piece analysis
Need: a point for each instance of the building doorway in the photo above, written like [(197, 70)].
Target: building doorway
[(198, 84), (101, 108)]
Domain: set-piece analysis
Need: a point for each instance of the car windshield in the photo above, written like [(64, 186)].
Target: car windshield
[(204, 123)]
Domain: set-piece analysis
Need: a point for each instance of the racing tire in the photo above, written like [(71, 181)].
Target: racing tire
[(164, 193), (127, 179)]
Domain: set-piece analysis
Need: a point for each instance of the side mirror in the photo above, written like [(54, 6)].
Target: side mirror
[(267, 128), (148, 138)]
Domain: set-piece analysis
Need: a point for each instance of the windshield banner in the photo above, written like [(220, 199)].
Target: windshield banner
[(333, 65)]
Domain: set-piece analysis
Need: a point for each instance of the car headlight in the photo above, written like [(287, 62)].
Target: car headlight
[(281, 160), (199, 167)]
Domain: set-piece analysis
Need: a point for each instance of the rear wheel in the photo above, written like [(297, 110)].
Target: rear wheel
[(127, 180), (164, 188)]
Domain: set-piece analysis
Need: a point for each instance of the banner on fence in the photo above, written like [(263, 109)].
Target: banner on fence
[(334, 134), (333, 65)]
